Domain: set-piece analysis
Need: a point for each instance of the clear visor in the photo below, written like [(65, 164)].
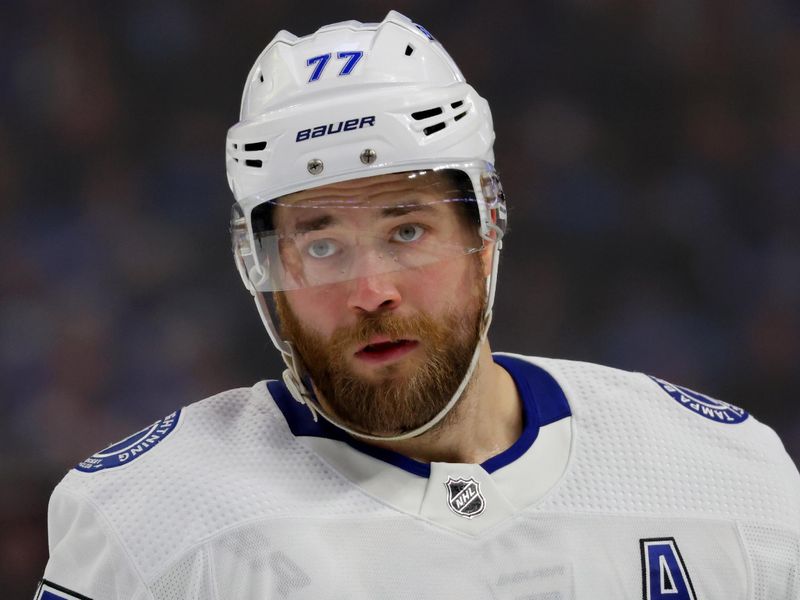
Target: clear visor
[(359, 228)]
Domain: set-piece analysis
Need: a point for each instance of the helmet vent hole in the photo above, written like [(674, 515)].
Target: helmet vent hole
[(253, 163), (433, 128), (424, 114), (409, 50), (261, 77), (460, 115), (457, 104), (255, 146)]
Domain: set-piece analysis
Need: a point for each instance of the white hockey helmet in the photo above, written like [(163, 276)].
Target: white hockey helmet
[(392, 87), (353, 100)]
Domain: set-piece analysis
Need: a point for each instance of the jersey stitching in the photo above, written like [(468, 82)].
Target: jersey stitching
[(177, 557), (212, 574), (115, 535), (751, 584)]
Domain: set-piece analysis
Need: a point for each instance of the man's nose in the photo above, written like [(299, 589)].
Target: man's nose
[(374, 293)]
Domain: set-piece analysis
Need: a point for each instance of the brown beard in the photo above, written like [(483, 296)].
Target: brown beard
[(400, 397)]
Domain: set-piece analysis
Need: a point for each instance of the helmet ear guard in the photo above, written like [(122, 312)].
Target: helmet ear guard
[(253, 272), (242, 248), (496, 219)]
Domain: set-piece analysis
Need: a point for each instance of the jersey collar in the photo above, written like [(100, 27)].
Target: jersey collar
[(503, 485), (543, 403)]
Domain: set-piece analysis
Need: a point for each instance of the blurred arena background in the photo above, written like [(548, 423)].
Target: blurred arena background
[(650, 152)]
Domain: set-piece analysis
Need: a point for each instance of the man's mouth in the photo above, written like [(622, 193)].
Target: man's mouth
[(385, 350)]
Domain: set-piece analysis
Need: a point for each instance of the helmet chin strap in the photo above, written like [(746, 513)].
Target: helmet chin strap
[(295, 375)]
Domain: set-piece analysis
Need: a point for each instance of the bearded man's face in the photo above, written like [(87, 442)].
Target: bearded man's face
[(385, 291), (407, 379)]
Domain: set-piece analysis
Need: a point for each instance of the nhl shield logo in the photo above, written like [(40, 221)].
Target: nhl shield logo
[(464, 497)]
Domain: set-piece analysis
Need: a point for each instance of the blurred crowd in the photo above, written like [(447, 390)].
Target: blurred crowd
[(650, 152)]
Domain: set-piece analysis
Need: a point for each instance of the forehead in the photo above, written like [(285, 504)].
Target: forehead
[(383, 194)]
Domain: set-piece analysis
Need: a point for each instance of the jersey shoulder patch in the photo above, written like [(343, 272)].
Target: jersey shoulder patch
[(132, 447), (705, 406)]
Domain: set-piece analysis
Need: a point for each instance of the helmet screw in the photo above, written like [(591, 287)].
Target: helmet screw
[(368, 156), (315, 166)]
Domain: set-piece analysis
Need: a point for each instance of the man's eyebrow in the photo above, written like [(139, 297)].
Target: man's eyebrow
[(314, 223), (323, 221), (404, 209)]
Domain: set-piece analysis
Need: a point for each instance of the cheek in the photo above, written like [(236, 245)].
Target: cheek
[(445, 285), (317, 309)]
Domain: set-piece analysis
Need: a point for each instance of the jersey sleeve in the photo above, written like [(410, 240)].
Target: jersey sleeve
[(87, 560)]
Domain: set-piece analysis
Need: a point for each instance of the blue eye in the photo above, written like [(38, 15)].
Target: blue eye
[(408, 233), (322, 248)]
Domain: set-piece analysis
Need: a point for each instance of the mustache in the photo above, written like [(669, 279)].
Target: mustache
[(394, 327)]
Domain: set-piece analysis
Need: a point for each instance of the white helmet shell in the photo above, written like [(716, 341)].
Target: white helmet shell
[(352, 100)]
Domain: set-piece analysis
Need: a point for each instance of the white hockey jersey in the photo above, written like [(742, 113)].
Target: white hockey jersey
[(621, 487)]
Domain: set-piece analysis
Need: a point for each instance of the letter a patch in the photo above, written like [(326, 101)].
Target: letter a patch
[(664, 574)]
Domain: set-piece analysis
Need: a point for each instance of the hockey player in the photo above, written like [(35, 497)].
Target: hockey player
[(398, 457)]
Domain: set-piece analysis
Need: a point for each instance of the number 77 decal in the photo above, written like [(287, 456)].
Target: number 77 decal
[(351, 59)]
